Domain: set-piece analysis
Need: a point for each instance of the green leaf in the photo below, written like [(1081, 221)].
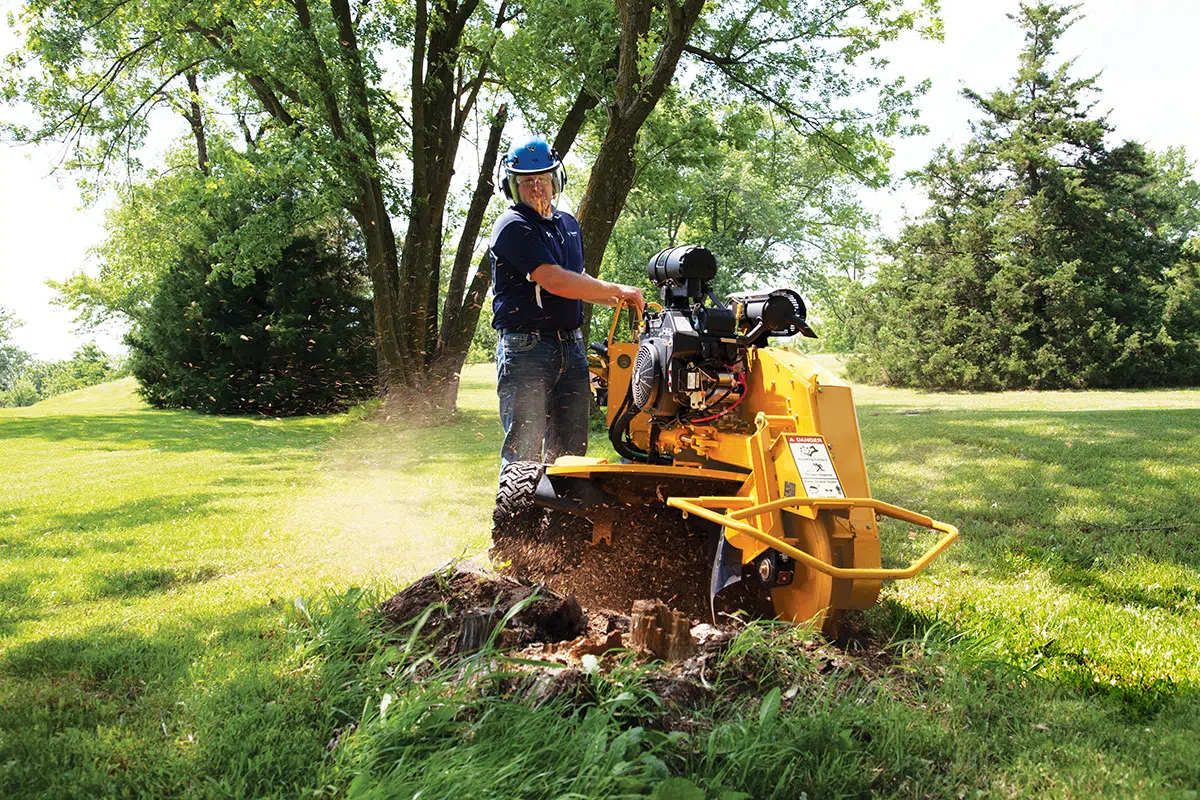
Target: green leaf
[(769, 709), (678, 789)]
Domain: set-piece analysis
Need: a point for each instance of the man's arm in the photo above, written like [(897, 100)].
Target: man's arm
[(581, 286)]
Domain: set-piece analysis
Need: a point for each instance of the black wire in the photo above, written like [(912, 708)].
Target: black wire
[(620, 427)]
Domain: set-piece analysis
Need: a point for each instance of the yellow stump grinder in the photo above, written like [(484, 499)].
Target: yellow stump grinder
[(741, 481)]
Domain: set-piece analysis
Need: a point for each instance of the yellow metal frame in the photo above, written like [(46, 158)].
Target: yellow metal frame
[(637, 313), (784, 394), (746, 507), (586, 467)]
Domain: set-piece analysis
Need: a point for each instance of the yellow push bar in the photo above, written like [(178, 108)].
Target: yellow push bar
[(633, 310), (702, 507)]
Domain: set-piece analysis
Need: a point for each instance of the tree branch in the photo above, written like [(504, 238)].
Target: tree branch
[(148, 102), (195, 119), (452, 308), (77, 119), (572, 123), (635, 22), (323, 79), (680, 20)]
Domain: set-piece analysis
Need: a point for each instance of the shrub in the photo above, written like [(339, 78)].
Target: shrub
[(298, 339)]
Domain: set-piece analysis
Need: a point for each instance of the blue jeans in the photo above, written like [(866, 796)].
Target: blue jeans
[(545, 398)]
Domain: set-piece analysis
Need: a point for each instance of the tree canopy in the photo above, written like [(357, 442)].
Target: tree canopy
[(1047, 258), (12, 358), (767, 201), (371, 103)]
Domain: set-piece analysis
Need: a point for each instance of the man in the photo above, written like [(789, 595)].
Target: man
[(539, 288)]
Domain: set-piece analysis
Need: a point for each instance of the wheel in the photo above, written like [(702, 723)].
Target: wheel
[(808, 596), (518, 482)]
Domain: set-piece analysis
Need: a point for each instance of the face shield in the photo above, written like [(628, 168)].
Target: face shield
[(539, 190)]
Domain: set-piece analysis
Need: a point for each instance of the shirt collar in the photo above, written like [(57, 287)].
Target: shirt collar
[(528, 212)]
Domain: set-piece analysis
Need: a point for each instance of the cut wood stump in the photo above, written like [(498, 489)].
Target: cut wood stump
[(661, 630), (476, 628)]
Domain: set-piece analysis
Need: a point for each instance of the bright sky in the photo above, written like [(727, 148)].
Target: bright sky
[(1145, 49)]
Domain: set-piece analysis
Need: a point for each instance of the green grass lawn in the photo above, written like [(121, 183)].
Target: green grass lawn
[(150, 643)]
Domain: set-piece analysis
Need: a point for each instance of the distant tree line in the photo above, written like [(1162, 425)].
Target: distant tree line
[(25, 380), (1048, 258)]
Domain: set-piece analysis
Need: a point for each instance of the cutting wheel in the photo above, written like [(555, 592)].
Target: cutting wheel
[(809, 594)]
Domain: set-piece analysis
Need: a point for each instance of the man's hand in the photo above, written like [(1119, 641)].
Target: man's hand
[(630, 294)]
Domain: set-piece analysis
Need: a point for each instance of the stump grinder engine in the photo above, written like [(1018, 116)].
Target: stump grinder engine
[(741, 462)]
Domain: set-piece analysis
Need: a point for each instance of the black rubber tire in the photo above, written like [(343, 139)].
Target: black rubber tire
[(518, 481)]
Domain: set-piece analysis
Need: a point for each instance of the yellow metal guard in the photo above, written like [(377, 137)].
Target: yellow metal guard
[(702, 507)]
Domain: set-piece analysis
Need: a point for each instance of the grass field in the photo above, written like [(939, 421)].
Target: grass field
[(151, 642)]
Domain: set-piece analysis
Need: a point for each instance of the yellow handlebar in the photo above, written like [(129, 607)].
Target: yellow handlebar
[(702, 507), (637, 312)]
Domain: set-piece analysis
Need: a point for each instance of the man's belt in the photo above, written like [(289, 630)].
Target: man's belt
[(567, 335)]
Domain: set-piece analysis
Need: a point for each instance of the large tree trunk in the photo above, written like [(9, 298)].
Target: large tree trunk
[(420, 377)]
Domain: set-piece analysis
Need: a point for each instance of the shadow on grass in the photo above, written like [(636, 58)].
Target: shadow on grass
[(27, 546), (154, 510), (37, 540), (201, 702), (175, 431), (137, 582), (1098, 504), (1174, 599), (1015, 489)]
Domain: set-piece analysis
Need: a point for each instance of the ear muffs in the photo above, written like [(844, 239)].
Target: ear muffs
[(502, 177)]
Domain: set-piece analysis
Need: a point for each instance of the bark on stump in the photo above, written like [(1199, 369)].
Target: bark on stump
[(661, 630)]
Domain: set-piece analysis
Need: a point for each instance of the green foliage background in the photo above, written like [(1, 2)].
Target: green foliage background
[(1048, 259)]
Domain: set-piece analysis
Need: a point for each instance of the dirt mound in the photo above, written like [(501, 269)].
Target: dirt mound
[(654, 553), (466, 605), (557, 643)]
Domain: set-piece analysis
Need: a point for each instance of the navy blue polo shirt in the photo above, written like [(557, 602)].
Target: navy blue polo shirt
[(523, 240)]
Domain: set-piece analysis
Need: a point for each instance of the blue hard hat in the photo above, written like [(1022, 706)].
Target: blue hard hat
[(534, 155), (530, 157)]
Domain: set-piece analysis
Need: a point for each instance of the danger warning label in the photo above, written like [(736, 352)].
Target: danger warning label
[(815, 466)]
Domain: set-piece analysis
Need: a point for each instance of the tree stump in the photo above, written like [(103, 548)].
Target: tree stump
[(661, 630), (477, 627)]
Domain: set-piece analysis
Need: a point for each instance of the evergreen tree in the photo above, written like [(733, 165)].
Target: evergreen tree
[(296, 339), (1046, 259)]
